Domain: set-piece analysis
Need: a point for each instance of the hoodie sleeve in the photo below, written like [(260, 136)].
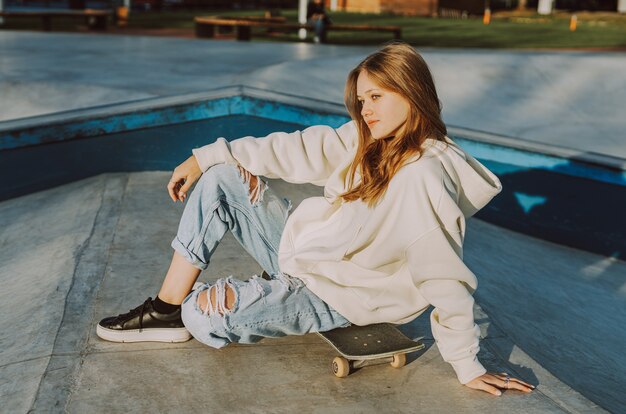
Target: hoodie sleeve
[(446, 283), (308, 156)]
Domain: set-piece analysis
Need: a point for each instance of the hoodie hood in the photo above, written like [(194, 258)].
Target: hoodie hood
[(475, 184)]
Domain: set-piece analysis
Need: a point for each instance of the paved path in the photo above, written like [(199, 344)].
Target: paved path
[(571, 99)]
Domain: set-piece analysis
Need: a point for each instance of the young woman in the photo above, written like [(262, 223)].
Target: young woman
[(382, 245)]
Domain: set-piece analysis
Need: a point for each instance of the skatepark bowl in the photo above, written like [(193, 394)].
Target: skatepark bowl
[(552, 194)]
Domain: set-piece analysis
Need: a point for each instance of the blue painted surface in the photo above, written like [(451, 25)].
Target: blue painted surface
[(528, 202), (577, 212), (235, 105), (519, 160), (557, 199), (160, 148), (245, 105)]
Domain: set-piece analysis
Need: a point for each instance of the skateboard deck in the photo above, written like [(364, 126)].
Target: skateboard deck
[(375, 344)]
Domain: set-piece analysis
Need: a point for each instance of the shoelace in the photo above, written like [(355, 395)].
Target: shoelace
[(138, 310)]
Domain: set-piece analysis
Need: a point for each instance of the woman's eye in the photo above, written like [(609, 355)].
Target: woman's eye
[(374, 97)]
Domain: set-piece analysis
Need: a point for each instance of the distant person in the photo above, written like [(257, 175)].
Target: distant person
[(383, 244), (316, 15)]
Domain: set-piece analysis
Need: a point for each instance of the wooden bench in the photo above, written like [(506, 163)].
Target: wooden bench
[(95, 19), (272, 19), (206, 26)]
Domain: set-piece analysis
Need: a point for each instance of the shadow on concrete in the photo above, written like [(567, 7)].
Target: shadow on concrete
[(553, 205)]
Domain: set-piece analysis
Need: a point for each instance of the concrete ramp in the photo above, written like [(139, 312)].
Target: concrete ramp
[(74, 254)]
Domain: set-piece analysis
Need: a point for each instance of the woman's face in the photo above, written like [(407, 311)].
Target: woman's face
[(384, 111)]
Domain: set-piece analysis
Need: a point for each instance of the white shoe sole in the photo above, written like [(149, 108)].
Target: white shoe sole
[(144, 335)]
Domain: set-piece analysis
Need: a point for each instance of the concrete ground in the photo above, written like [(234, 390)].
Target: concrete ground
[(74, 254), (554, 316)]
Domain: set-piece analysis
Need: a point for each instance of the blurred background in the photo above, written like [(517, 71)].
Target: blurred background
[(595, 24), (410, 7)]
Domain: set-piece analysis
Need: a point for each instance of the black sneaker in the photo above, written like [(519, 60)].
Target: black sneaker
[(144, 324)]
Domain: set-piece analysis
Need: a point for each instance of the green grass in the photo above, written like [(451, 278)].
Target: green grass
[(507, 30), (501, 33)]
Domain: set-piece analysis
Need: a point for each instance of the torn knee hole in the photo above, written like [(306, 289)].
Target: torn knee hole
[(219, 298), (257, 186)]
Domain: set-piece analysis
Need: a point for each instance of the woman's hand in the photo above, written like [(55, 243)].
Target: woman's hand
[(493, 383), (183, 178)]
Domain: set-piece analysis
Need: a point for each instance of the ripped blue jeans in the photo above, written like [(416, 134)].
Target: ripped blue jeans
[(222, 200)]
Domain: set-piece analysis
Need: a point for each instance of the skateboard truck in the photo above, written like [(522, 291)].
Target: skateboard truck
[(361, 346), (343, 367)]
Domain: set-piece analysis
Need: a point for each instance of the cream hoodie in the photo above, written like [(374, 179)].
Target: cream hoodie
[(388, 263)]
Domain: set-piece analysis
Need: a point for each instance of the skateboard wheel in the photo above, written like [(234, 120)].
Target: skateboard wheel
[(341, 367), (399, 360)]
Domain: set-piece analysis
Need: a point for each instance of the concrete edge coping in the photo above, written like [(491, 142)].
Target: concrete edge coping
[(311, 104), (167, 101), (588, 157)]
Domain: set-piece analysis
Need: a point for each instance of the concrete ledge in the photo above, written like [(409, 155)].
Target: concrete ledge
[(246, 100)]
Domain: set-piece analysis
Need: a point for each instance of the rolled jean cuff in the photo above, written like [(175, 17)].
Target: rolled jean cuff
[(192, 258)]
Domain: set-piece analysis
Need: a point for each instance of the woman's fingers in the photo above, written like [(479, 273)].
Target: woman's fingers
[(177, 190), (484, 386), (503, 376), (183, 178), (173, 187), (186, 186), (493, 383), (170, 190), (523, 383), (514, 385), (510, 383)]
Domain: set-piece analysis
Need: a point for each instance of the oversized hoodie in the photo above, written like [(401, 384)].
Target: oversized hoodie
[(382, 264)]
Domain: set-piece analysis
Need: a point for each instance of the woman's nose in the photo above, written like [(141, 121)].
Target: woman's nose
[(366, 110)]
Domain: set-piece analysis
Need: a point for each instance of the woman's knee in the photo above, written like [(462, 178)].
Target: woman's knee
[(218, 175), (228, 175), (217, 299), (256, 186), (207, 329)]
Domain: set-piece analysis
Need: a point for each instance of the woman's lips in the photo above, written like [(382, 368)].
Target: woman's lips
[(370, 123)]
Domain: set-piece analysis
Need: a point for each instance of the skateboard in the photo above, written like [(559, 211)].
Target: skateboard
[(376, 344)]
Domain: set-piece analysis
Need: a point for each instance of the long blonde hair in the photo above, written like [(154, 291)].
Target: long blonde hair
[(397, 67)]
